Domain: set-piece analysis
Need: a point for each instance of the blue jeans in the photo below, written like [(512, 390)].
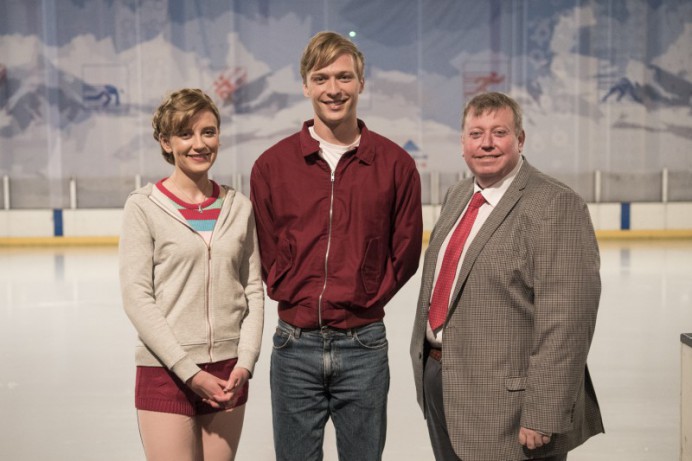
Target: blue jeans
[(318, 374)]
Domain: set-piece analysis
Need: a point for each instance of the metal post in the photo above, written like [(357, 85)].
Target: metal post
[(239, 182), (6, 191), (597, 186), (435, 187), (138, 181), (73, 194), (664, 186)]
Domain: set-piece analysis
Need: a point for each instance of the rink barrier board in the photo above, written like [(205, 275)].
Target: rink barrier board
[(79, 227), (603, 235)]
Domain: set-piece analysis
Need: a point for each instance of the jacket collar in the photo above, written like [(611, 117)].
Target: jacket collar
[(159, 198), (364, 152), (493, 222)]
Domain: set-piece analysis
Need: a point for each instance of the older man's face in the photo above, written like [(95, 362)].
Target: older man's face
[(491, 145)]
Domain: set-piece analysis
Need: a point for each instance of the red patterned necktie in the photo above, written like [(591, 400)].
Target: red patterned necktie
[(445, 279)]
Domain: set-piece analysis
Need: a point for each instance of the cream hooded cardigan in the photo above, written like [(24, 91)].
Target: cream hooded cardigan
[(191, 302)]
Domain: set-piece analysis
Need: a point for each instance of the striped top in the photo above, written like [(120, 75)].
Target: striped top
[(202, 216)]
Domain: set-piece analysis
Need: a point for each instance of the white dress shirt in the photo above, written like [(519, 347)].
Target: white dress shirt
[(492, 196)]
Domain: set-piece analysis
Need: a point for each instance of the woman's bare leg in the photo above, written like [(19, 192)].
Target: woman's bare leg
[(168, 436), (221, 433)]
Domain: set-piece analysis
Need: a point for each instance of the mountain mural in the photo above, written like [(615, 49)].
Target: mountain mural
[(599, 86)]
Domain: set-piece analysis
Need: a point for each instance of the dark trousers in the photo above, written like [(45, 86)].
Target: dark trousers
[(437, 426)]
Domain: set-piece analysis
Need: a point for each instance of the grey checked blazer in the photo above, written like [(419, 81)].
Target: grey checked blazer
[(520, 324)]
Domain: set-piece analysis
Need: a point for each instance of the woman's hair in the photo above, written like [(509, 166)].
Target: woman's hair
[(491, 102), (175, 112), (325, 48)]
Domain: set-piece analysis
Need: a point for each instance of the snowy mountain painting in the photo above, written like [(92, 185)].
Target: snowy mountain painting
[(604, 85)]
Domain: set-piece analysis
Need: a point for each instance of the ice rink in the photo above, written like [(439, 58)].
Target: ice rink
[(67, 370)]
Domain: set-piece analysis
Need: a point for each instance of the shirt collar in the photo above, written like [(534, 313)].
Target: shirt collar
[(333, 147), (366, 145), (493, 194)]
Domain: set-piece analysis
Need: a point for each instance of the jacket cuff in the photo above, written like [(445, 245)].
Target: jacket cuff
[(246, 362), (185, 369)]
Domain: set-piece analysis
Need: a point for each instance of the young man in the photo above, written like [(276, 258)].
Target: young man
[(340, 228), (507, 306)]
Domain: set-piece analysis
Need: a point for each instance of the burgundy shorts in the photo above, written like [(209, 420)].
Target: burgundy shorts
[(158, 389)]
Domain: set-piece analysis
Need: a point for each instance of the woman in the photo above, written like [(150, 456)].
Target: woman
[(191, 285)]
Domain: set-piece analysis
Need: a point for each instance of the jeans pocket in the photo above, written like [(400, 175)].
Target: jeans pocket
[(281, 338), (373, 336)]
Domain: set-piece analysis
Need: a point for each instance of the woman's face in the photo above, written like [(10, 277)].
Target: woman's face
[(195, 147)]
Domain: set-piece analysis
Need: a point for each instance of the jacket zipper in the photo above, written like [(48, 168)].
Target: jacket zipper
[(210, 329), (207, 310), (326, 256)]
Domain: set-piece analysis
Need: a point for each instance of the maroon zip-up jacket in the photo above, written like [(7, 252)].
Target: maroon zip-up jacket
[(336, 247)]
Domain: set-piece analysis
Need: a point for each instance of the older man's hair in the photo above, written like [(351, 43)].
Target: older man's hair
[(491, 102)]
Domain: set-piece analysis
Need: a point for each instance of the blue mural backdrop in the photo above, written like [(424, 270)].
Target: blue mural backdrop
[(605, 84)]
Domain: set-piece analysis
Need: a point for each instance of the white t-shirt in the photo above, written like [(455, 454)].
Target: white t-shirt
[(331, 153)]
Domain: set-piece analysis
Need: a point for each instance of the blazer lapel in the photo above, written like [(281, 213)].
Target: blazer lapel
[(498, 215), (451, 210)]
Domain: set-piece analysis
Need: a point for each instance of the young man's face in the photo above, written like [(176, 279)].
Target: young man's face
[(334, 91)]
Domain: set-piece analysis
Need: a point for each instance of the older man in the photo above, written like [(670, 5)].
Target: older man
[(507, 306)]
